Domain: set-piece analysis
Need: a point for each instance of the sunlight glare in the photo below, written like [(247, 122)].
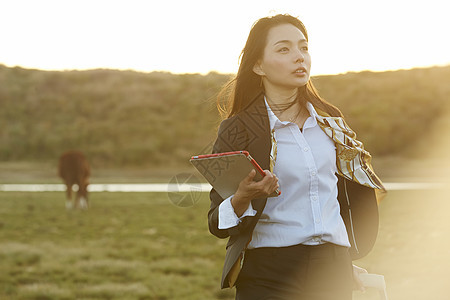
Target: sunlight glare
[(201, 36)]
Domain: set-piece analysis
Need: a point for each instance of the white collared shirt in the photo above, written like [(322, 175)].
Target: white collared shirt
[(307, 211)]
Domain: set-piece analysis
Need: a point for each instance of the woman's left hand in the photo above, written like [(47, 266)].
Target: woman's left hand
[(357, 282)]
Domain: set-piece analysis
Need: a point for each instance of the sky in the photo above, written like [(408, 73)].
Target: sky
[(200, 36)]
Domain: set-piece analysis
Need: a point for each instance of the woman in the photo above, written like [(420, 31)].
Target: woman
[(298, 245)]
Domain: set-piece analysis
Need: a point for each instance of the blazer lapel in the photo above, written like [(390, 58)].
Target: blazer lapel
[(257, 124)]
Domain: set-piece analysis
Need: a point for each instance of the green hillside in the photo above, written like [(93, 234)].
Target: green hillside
[(127, 118)]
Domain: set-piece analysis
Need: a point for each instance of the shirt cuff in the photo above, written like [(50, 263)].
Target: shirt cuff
[(227, 216)]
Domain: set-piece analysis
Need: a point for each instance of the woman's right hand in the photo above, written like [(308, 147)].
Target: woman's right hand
[(249, 189)]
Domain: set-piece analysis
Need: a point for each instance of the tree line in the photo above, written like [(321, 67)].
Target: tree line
[(128, 118)]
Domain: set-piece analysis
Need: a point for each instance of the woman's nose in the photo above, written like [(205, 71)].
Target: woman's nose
[(299, 57)]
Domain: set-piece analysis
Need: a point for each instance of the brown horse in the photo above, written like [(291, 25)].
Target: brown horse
[(74, 169)]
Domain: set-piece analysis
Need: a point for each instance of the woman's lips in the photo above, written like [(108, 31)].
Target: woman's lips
[(300, 71)]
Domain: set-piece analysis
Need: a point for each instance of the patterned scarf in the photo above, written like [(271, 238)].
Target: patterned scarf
[(353, 162)]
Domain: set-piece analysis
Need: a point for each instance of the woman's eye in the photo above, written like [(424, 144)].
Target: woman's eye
[(305, 48), (284, 49)]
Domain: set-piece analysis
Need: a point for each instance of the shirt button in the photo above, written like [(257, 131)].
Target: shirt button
[(314, 198), (313, 173), (305, 149), (316, 239), (318, 221)]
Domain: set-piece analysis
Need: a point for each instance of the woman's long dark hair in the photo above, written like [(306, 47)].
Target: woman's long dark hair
[(237, 94)]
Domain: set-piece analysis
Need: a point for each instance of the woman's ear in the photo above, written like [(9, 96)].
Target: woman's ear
[(257, 68)]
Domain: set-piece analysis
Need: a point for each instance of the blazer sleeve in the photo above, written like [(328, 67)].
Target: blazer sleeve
[(359, 210), (223, 143)]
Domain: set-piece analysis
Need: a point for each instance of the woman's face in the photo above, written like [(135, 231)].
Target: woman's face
[(286, 62)]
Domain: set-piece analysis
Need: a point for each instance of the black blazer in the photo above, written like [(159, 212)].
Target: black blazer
[(250, 130)]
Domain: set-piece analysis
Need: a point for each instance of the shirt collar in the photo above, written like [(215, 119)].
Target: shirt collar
[(276, 123)]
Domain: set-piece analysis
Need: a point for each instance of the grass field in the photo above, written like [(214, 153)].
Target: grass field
[(141, 246)]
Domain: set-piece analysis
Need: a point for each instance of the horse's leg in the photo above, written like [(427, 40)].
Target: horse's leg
[(69, 204), (82, 196)]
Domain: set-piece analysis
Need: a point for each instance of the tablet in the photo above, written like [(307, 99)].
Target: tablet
[(224, 171)]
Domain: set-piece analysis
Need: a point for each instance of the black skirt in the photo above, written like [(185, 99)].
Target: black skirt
[(322, 272)]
